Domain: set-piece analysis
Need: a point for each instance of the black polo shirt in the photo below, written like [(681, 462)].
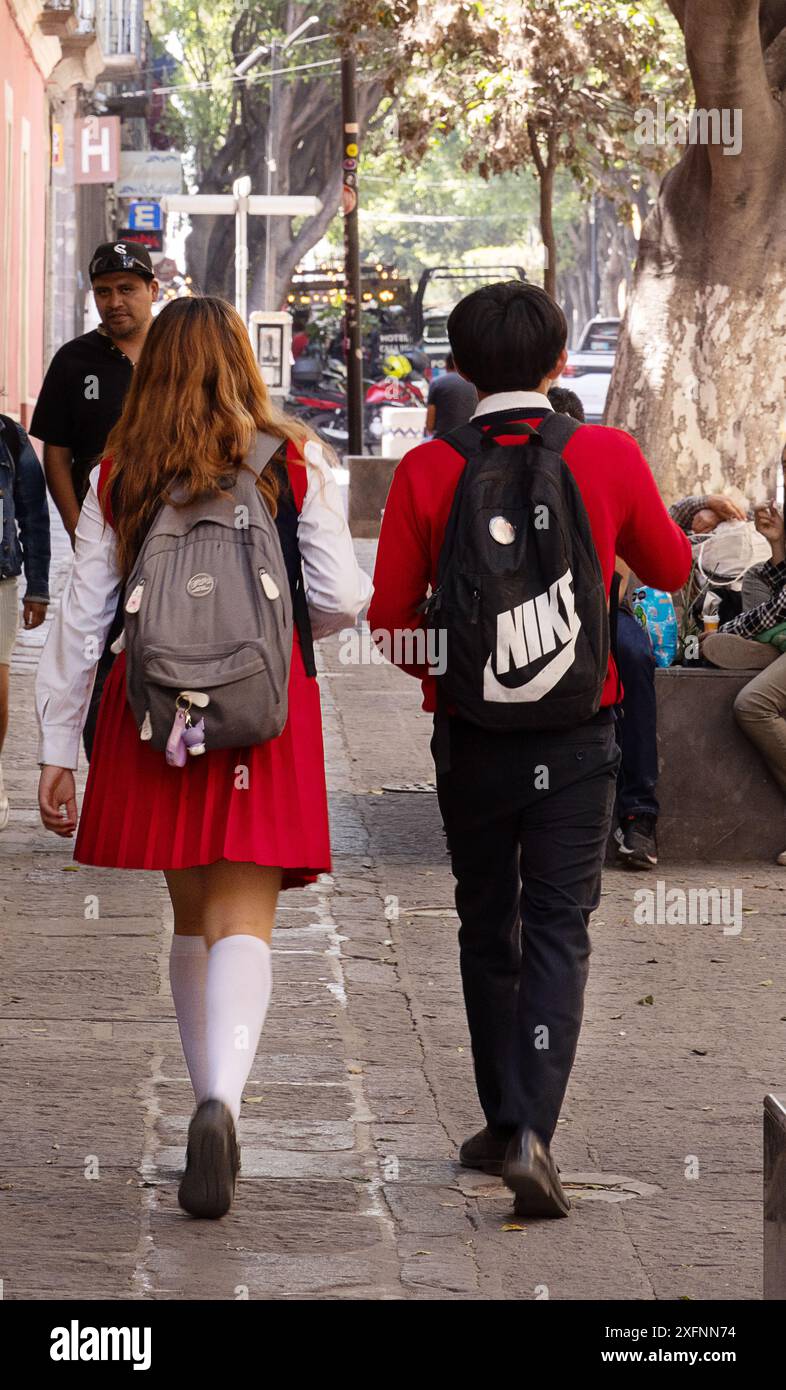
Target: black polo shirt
[(81, 399)]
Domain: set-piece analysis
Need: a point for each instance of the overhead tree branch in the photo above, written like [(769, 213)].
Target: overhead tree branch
[(724, 52)]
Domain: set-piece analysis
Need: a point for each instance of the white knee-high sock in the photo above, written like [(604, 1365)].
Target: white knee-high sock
[(239, 981), (188, 977)]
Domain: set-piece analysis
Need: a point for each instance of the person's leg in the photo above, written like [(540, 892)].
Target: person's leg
[(482, 834), (188, 972), (9, 623), (4, 691), (221, 996), (638, 776), (563, 838), (485, 864), (234, 905), (759, 710)]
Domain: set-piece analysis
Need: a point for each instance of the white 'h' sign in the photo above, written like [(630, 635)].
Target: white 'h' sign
[(97, 149)]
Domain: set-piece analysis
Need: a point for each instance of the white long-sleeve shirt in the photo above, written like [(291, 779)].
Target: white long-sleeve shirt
[(336, 588)]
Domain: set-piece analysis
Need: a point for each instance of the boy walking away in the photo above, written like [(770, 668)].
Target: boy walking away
[(514, 523), (24, 520), (452, 401)]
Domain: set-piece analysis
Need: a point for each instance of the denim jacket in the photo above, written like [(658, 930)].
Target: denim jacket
[(25, 518)]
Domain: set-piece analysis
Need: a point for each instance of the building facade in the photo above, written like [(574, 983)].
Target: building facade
[(28, 57), (60, 61)]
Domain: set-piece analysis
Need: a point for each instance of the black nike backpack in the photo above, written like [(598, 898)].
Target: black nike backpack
[(519, 618)]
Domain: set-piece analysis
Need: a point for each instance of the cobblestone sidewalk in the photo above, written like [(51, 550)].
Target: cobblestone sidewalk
[(362, 1088)]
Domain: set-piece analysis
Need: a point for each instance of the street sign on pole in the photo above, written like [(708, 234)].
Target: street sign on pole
[(271, 339), (97, 142), (280, 205), (352, 335), (242, 204), (154, 241), (145, 217), (241, 188)]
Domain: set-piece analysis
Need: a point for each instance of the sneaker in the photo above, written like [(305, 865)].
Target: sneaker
[(637, 845), (212, 1162), (733, 653), (5, 811)]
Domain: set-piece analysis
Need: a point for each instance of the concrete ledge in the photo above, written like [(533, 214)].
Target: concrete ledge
[(369, 484), (718, 802)]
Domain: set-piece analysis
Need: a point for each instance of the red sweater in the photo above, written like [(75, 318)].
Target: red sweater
[(626, 513)]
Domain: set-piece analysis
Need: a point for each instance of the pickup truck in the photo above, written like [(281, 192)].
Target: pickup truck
[(589, 366)]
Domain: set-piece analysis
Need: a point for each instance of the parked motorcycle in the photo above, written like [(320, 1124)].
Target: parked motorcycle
[(320, 398)]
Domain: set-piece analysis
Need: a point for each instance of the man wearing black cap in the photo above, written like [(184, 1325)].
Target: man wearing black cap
[(83, 391), (82, 394)]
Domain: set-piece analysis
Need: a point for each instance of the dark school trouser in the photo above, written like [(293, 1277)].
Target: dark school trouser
[(527, 818), (637, 731)]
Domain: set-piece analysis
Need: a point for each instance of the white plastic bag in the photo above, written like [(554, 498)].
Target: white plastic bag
[(729, 551)]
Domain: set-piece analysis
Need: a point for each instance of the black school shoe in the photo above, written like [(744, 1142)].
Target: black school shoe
[(637, 844), (532, 1176), (212, 1162), (484, 1151)]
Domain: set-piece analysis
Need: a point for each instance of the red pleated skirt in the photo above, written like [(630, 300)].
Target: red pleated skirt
[(140, 813)]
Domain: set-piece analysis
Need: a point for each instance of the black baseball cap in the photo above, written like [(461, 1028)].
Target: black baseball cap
[(112, 256)]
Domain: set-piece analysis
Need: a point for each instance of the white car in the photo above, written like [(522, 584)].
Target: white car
[(589, 366)]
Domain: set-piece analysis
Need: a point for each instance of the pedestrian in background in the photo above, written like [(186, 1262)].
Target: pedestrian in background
[(82, 395), (227, 845), (452, 401), (25, 545)]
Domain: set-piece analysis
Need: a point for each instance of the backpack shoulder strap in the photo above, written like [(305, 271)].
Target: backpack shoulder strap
[(555, 430), (465, 439), (262, 450), (12, 440)]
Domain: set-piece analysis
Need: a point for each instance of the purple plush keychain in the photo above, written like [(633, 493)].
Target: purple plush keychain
[(185, 737), (194, 738)]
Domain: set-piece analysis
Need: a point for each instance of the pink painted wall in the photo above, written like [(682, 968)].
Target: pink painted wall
[(18, 69)]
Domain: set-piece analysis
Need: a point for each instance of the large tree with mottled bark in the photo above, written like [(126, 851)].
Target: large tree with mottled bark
[(700, 374)]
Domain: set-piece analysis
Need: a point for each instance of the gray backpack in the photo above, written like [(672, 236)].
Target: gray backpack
[(208, 621)]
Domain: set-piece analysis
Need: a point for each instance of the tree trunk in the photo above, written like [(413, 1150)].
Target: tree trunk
[(696, 379), (546, 169)]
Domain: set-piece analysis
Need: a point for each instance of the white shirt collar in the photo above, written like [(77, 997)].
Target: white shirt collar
[(512, 400)]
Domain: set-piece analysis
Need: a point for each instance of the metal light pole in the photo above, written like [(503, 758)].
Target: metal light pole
[(352, 333), (241, 189), (241, 203), (271, 169)]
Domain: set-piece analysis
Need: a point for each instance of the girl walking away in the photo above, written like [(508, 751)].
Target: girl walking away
[(222, 525)]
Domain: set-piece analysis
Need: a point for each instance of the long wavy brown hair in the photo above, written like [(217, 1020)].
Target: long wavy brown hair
[(195, 403)]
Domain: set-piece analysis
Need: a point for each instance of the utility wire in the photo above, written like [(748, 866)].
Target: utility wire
[(230, 80), (151, 67)]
